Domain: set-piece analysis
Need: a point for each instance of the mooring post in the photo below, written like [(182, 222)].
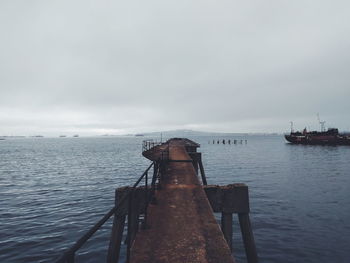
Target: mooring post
[(131, 223), (248, 238), (226, 227)]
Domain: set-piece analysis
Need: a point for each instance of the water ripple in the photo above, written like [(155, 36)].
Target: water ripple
[(53, 190)]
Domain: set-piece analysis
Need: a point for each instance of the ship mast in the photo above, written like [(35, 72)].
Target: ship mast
[(291, 127), (322, 123)]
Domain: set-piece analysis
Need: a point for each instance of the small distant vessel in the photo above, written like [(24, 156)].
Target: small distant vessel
[(63, 136), (139, 135), (76, 135), (323, 137)]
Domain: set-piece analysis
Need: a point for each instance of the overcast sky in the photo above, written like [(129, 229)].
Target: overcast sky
[(95, 67)]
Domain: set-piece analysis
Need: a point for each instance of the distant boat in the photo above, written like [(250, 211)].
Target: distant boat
[(76, 135), (139, 135), (38, 136), (63, 136)]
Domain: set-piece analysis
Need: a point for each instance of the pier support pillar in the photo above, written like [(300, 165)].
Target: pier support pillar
[(204, 179), (116, 239), (248, 238), (226, 227), (194, 156), (197, 163), (227, 200), (231, 199)]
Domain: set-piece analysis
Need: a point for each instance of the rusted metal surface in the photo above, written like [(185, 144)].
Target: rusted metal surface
[(182, 226), (178, 224), (157, 151)]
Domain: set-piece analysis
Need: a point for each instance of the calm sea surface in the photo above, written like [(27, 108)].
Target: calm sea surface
[(53, 190)]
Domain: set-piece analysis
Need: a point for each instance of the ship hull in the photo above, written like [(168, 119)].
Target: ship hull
[(318, 140)]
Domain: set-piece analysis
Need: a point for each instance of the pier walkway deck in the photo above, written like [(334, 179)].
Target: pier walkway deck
[(171, 217), (181, 225)]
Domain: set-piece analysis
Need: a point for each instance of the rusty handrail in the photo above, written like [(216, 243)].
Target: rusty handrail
[(149, 144), (69, 255)]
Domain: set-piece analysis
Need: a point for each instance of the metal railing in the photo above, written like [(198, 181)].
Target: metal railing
[(149, 144), (69, 255)]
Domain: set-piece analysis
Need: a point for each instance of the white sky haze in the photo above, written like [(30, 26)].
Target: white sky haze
[(95, 67)]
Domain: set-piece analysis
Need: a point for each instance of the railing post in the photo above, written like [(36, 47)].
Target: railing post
[(194, 157), (130, 225), (144, 225), (204, 179), (133, 221), (153, 183), (117, 234), (155, 173)]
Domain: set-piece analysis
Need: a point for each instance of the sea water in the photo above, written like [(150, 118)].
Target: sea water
[(52, 190)]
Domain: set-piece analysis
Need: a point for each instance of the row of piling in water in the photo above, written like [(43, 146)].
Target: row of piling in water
[(229, 141)]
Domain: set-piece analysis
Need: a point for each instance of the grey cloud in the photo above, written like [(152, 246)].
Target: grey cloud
[(217, 65)]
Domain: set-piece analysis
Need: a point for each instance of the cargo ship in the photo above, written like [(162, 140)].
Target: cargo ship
[(329, 137)]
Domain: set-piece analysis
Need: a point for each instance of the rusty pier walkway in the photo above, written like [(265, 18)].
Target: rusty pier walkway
[(181, 225), (170, 219)]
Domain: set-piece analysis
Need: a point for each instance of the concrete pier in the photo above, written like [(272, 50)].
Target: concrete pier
[(169, 215), (181, 225)]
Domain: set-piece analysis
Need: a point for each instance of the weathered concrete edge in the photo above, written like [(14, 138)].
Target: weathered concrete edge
[(232, 198)]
